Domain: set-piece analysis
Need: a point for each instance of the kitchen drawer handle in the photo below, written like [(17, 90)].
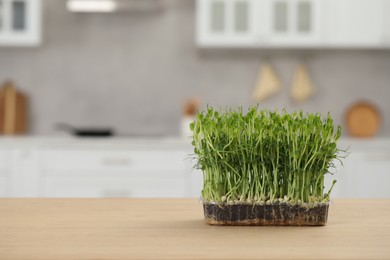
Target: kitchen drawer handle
[(116, 161), (116, 194)]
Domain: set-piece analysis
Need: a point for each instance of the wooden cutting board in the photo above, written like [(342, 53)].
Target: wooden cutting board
[(302, 88), (267, 83), (13, 110), (363, 119)]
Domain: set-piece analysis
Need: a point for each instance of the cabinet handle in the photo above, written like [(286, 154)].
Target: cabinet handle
[(116, 161), (116, 194)]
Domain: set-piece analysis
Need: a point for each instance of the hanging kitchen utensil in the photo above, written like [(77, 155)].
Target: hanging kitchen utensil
[(267, 83), (363, 119), (302, 87), (13, 110)]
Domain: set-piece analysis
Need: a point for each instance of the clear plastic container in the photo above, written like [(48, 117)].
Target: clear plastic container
[(276, 214)]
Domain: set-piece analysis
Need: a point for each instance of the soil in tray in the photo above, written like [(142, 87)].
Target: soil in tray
[(279, 214)]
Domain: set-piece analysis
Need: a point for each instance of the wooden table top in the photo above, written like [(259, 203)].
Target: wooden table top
[(174, 229)]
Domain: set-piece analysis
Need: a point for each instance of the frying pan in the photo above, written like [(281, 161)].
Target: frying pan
[(85, 132)]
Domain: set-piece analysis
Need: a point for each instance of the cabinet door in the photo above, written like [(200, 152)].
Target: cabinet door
[(226, 23), (147, 185), (116, 173), (295, 23), (3, 186), (371, 177), (365, 174), (341, 173), (20, 22), (354, 23), (386, 23), (24, 172), (3, 175)]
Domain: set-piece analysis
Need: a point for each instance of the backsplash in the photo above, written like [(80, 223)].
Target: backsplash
[(133, 71)]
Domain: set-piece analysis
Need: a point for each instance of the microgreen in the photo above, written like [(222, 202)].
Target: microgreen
[(264, 156)]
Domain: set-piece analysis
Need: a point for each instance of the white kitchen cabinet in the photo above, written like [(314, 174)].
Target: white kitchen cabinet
[(130, 160), (3, 174), (150, 168), (366, 170), (97, 168), (270, 23), (24, 169), (108, 172), (3, 187), (341, 188), (146, 185), (355, 23), (371, 177), (294, 23), (228, 23), (386, 23), (20, 22)]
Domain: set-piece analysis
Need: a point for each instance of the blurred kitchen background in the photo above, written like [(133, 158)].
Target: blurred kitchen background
[(132, 73)]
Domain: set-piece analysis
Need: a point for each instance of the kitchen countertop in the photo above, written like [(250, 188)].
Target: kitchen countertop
[(174, 229), (115, 142), (38, 141)]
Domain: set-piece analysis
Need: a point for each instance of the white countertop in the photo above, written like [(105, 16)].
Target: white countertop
[(163, 142), (106, 142)]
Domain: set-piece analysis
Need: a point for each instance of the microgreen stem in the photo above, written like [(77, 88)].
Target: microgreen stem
[(264, 155)]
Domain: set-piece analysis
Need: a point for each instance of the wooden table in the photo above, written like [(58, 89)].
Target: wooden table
[(174, 229)]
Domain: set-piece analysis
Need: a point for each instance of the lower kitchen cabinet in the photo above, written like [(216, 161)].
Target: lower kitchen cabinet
[(142, 172), (154, 169), (98, 168), (371, 177), (24, 170), (3, 186), (365, 173), (142, 187), (4, 182)]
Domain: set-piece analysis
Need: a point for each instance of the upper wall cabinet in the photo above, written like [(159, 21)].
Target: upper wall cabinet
[(20, 22), (293, 23), (222, 22), (386, 22), (355, 23)]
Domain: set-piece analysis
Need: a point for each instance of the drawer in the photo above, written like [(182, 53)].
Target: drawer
[(70, 160), (115, 174), (121, 187)]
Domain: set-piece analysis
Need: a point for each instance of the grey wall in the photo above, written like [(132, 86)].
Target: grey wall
[(132, 71)]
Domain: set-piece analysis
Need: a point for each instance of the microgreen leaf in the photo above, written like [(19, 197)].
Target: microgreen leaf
[(264, 155)]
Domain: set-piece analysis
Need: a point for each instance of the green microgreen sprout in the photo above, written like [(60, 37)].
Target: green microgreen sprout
[(265, 156)]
